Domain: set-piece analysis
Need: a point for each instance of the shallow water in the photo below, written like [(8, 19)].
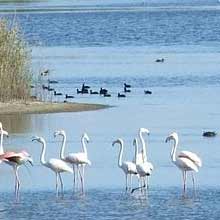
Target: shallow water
[(85, 47), (159, 203)]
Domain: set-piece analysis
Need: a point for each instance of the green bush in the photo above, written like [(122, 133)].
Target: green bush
[(15, 64)]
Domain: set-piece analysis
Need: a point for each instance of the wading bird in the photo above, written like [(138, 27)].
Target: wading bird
[(143, 169), (13, 159), (56, 165), (128, 167), (16, 160), (76, 159), (184, 160)]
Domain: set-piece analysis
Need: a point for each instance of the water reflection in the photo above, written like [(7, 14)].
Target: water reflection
[(23, 123)]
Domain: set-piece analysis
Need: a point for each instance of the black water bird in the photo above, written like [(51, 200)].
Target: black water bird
[(127, 85), (85, 87), (159, 60), (147, 92), (45, 87), (121, 95), (93, 92), (69, 96), (209, 134), (57, 93), (126, 90), (103, 91), (45, 72)]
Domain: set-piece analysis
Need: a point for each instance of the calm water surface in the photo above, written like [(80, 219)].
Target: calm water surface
[(107, 49)]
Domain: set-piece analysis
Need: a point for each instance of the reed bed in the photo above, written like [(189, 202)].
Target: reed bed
[(15, 64)]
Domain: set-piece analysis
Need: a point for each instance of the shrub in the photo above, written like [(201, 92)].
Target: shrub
[(15, 64)]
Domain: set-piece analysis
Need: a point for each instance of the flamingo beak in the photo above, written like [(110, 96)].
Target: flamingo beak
[(30, 160), (167, 139)]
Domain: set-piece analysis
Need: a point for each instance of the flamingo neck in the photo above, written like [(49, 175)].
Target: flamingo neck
[(120, 154), (144, 154), (63, 147), (173, 151), (1, 142), (84, 145), (136, 152), (42, 157)]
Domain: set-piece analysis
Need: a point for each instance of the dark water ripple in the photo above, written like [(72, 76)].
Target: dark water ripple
[(175, 27)]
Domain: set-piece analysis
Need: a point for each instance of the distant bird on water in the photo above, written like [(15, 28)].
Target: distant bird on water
[(184, 160), (159, 60), (209, 134), (147, 92), (121, 95)]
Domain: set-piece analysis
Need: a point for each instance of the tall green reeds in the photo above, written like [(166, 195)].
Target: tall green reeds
[(15, 64)]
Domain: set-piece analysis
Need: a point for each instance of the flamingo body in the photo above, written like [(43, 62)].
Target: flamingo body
[(58, 166)]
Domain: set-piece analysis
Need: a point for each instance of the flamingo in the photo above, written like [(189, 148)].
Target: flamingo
[(141, 157), (185, 160), (13, 159), (76, 159), (16, 160), (128, 167), (56, 165), (143, 169)]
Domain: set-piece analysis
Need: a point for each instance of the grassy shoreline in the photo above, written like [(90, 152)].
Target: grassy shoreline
[(36, 107)]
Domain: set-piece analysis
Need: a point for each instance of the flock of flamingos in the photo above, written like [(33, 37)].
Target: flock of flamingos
[(75, 162)]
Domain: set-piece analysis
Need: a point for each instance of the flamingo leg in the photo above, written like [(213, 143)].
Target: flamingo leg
[(130, 182), (74, 178), (17, 182), (147, 182), (83, 175), (184, 182), (61, 183), (57, 184), (193, 181), (81, 178), (77, 176), (126, 182)]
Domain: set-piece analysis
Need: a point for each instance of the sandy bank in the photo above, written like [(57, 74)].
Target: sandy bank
[(34, 107)]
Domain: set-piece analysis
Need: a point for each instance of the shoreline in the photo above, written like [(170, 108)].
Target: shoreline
[(37, 107)]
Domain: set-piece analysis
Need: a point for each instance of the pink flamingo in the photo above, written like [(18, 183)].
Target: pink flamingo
[(13, 159)]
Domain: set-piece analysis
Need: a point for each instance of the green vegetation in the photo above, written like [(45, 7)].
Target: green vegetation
[(15, 65)]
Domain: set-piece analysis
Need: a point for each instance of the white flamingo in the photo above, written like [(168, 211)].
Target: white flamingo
[(76, 159), (185, 160), (143, 169), (128, 167), (142, 156), (56, 165)]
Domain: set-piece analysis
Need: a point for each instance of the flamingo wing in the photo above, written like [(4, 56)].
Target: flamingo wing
[(58, 165), (77, 158), (191, 156), (184, 163)]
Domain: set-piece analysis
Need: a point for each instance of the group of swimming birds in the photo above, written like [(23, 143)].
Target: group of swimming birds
[(75, 162)]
